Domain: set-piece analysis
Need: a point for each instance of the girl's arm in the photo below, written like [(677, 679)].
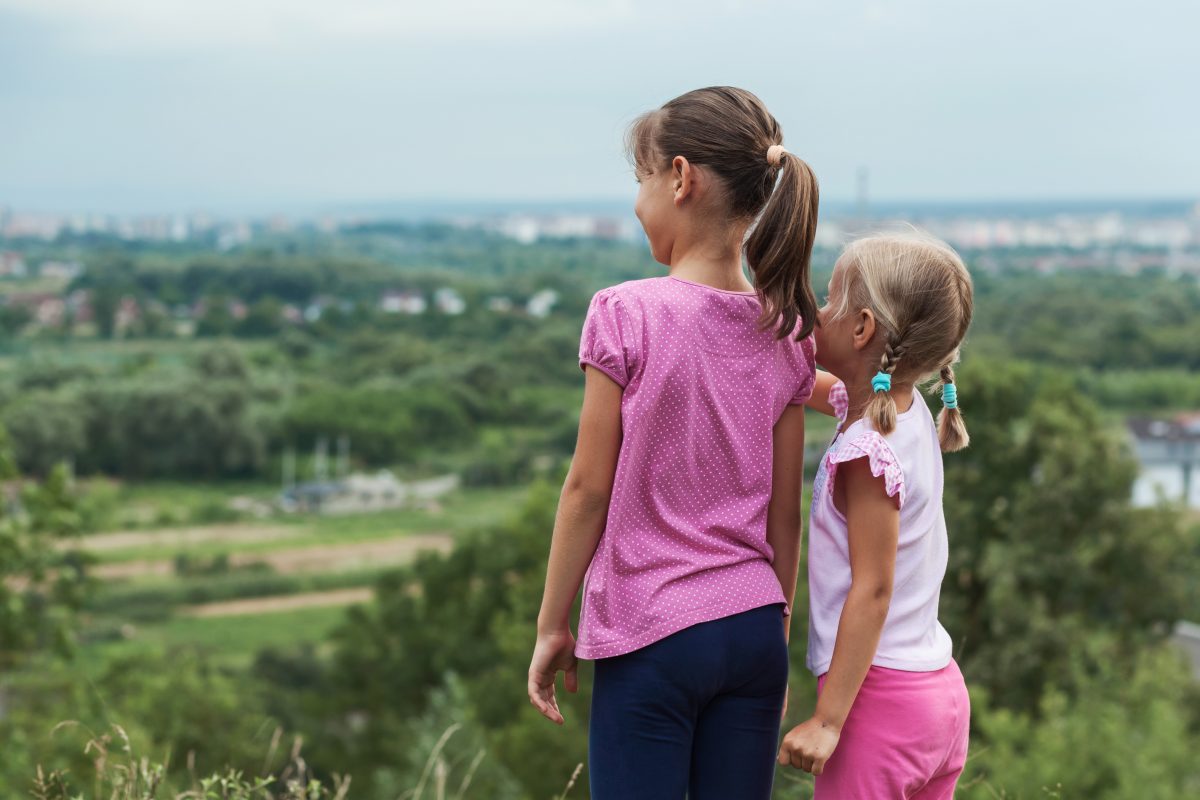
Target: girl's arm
[(783, 512), (819, 401), (582, 510), (874, 530)]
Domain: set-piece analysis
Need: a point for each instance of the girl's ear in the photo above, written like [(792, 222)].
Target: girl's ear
[(683, 179), (864, 329)]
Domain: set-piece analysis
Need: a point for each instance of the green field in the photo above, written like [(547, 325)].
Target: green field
[(139, 614), (231, 640), (461, 510)]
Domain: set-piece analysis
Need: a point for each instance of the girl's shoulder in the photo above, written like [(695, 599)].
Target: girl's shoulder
[(861, 440), (639, 289), (633, 300)]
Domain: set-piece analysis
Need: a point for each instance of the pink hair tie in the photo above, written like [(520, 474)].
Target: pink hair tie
[(775, 154)]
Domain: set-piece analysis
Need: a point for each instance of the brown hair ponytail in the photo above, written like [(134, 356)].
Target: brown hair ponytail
[(728, 131), (779, 250)]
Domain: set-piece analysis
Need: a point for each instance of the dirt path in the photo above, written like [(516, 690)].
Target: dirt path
[(320, 558), (270, 605), (182, 537)]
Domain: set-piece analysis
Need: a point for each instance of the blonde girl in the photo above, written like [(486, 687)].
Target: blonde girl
[(892, 713)]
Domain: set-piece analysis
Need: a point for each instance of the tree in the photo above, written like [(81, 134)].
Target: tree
[(48, 428), (469, 613), (1116, 733), (41, 586), (1045, 548)]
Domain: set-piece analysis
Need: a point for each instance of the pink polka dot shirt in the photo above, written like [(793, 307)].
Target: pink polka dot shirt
[(685, 541)]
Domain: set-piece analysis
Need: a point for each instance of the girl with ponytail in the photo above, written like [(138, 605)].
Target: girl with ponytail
[(892, 713), (680, 515)]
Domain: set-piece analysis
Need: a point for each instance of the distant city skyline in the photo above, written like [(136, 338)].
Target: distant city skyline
[(300, 106)]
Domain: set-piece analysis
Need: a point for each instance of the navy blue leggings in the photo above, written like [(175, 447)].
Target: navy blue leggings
[(695, 714)]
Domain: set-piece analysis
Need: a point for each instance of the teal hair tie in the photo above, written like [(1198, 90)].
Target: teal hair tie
[(949, 395), (882, 382)]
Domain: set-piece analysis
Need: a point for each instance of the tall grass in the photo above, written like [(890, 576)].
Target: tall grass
[(121, 774)]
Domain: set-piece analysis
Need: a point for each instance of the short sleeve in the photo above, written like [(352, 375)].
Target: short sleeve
[(879, 454), (605, 343), (808, 367)]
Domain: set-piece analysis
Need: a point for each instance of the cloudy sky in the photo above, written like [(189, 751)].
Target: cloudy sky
[(149, 105)]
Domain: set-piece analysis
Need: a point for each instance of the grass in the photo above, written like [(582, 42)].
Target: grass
[(155, 597), (233, 640), (166, 503), (236, 639), (463, 510)]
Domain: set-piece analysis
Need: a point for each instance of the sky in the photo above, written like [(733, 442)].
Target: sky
[(180, 105)]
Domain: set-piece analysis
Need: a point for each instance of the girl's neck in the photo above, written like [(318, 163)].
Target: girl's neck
[(859, 391), (712, 261)]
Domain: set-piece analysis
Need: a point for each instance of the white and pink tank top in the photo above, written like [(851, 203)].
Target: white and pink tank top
[(909, 460)]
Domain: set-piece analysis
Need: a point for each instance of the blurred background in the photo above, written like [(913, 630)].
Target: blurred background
[(290, 297)]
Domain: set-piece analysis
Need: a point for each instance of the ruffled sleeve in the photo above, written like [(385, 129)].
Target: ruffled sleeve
[(840, 400), (873, 447), (607, 343)]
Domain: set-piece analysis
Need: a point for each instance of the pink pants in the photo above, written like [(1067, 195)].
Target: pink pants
[(906, 737)]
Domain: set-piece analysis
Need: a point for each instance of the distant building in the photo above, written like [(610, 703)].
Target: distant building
[(403, 303), (12, 265), (364, 492), (60, 270), (542, 303), (50, 312), (1169, 454), (79, 303), (128, 314), (1186, 637), (449, 301)]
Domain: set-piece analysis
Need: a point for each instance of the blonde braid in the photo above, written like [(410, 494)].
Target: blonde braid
[(881, 408), (952, 430)]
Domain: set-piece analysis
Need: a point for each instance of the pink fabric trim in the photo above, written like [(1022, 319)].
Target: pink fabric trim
[(870, 445), (840, 400)]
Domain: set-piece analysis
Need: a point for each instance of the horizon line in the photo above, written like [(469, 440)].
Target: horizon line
[(444, 205)]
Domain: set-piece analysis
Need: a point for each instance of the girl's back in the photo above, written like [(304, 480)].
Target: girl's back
[(910, 461), (680, 515), (685, 540)]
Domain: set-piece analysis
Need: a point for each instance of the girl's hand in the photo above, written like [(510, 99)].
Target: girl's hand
[(819, 400), (553, 652), (809, 745)]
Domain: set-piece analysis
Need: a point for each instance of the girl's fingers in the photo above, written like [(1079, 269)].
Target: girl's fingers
[(542, 698), (554, 714)]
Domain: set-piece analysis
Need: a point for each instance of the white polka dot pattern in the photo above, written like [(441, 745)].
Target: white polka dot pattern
[(685, 539)]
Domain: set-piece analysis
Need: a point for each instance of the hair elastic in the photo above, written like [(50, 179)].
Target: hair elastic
[(949, 395), (775, 154), (882, 382)]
